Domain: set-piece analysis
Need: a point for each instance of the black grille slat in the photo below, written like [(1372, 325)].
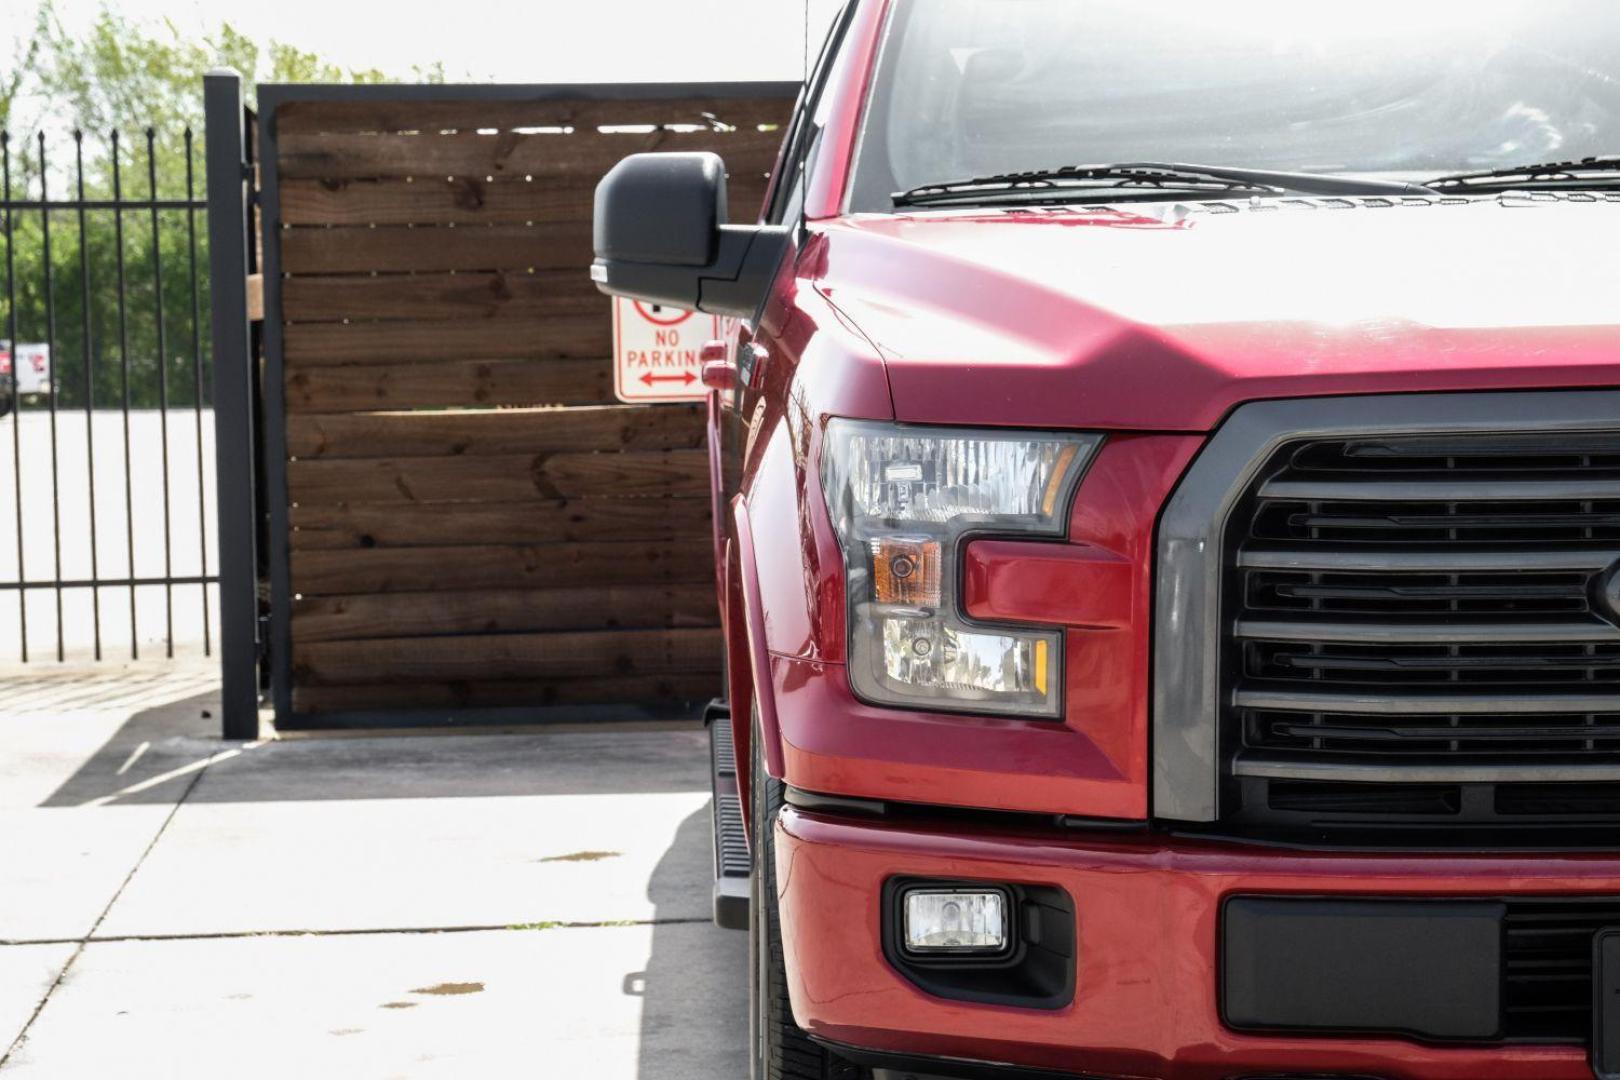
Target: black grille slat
[(1407, 665), (1299, 590), (1465, 488), (1330, 559), (1459, 630), (1448, 730), (1320, 798), (1417, 522), (1552, 453), (1314, 699), (1555, 800)]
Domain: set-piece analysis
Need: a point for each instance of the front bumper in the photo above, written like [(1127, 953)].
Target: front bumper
[(1148, 921)]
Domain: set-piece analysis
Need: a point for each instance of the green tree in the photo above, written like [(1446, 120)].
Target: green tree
[(121, 106), (14, 76)]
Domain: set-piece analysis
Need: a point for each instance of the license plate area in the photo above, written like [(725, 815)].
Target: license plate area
[(1431, 969)]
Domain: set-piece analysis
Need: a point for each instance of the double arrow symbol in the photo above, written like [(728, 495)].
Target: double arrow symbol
[(685, 379)]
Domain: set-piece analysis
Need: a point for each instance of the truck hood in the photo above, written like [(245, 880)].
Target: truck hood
[(1166, 316)]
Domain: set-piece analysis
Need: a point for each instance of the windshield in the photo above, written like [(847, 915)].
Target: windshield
[(1397, 88)]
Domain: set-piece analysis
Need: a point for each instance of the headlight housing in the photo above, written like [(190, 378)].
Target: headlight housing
[(903, 501)]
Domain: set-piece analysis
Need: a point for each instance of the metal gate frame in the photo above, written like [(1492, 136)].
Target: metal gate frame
[(232, 257), (248, 640)]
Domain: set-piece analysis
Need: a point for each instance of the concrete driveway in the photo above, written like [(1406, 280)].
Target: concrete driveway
[(528, 905)]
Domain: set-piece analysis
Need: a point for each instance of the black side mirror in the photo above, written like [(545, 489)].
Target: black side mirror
[(661, 236)]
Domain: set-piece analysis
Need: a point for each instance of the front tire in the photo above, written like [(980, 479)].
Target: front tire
[(781, 1049)]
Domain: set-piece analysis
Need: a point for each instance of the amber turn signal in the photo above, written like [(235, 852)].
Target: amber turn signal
[(905, 570)]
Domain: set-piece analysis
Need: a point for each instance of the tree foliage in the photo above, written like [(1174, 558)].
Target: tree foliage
[(116, 110)]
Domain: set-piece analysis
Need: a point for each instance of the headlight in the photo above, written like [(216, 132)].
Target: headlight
[(903, 500)]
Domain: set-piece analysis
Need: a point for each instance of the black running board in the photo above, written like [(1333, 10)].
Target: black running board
[(731, 862)]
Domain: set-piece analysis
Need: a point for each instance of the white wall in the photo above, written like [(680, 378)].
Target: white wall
[(71, 522)]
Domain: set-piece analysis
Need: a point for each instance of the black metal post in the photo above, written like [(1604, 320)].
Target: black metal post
[(56, 383), (16, 393), (197, 383), (228, 244), (163, 392), (89, 384), (123, 364)]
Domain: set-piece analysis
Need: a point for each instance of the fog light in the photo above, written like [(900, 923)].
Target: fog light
[(955, 921)]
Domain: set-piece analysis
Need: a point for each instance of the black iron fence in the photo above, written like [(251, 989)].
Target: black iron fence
[(106, 390)]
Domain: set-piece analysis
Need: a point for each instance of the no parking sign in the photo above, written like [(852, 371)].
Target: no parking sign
[(657, 351)]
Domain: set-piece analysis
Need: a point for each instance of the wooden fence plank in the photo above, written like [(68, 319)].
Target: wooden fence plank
[(321, 298), (465, 200), (504, 611), (419, 386), (388, 525), (668, 688), (548, 156), (541, 566), (505, 478), (306, 117), (497, 431), (507, 656), (388, 344), (398, 248)]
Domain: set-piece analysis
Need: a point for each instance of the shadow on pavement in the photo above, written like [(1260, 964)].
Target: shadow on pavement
[(150, 758), (155, 755), (694, 1018)]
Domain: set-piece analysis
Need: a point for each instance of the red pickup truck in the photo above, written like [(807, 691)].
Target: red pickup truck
[(1168, 492)]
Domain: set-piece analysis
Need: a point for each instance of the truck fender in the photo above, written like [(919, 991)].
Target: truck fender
[(759, 656)]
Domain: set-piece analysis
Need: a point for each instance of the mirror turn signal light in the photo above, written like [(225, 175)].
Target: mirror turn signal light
[(718, 372)]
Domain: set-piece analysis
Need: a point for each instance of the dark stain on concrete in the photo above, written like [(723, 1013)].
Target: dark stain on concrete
[(397, 1005), (451, 989), (584, 856)]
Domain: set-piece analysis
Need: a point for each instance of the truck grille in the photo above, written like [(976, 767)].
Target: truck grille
[(1401, 603)]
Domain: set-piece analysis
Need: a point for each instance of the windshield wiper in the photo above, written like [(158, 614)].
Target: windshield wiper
[(1047, 184), (1554, 176)]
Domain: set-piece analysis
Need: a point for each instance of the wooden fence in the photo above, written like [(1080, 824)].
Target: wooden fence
[(471, 522)]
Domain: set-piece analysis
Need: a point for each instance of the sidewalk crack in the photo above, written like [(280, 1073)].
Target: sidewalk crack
[(379, 931), (61, 976)]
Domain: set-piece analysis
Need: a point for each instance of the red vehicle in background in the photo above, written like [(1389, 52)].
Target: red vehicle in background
[(25, 371), (1168, 468)]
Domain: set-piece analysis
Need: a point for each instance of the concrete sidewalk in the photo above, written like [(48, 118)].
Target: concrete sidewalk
[(460, 906)]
